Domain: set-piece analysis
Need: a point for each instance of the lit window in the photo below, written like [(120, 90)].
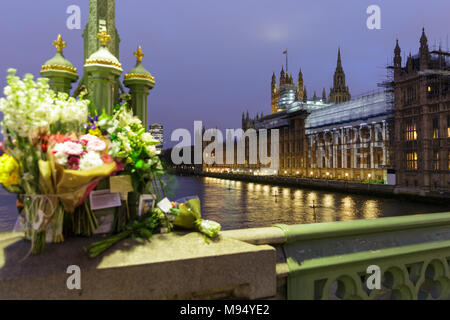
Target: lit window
[(448, 126), (435, 128), (411, 131), (436, 161), (411, 161)]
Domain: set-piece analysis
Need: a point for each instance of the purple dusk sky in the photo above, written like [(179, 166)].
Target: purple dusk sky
[(213, 59)]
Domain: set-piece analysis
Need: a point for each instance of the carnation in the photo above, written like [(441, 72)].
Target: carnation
[(59, 154), (96, 145), (90, 160), (73, 148)]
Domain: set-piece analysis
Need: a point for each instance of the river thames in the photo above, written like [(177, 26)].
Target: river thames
[(236, 204)]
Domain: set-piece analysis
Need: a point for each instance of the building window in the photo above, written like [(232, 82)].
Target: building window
[(411, 131), (448, 126), (435, 128), (411, 161), (448, 160), (411, 95), (436, 161)]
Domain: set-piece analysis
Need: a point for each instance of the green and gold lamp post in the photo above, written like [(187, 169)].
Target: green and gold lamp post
[(103, 70), (60, 71), (139, 81)]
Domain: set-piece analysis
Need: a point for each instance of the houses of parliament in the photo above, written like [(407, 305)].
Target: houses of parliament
[(339, 93), (397, 135)]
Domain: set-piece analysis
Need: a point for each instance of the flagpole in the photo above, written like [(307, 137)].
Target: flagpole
[(286, 60)]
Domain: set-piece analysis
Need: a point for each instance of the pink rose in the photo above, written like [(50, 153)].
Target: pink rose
[(72, 148)]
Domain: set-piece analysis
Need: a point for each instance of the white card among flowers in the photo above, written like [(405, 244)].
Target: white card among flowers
[(102, 199)]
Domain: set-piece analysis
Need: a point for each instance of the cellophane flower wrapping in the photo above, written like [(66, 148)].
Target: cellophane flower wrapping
[(31, 113), (186, 213)]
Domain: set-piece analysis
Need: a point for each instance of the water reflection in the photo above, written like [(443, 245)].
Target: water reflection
[(237, 204), (257, 205)]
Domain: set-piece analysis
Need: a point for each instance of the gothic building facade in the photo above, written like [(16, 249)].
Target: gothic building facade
[(339, 93), (422, 119), (327, 138), (282, 95)]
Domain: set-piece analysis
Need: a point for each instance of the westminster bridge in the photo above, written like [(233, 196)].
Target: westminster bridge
[(409, 254)]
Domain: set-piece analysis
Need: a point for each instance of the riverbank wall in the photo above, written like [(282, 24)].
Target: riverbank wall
[(381, 190)]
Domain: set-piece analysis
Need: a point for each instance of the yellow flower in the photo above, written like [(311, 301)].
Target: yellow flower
[(9, 171), (96, 132)]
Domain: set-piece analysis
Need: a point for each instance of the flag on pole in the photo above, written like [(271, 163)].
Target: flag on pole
[(285, 51)]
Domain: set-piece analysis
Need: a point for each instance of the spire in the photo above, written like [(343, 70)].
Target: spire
[(282, 76), (397, 56), (305, 95), (324, 96), (274, 79), (397, 50), (339, 92), (423, 39), (315, 96), (300, 75), (424, 54), (339, 62)]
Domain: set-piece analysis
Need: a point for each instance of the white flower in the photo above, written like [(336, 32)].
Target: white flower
[(59, 154), (151, 150), (30, 105), (90, 160)]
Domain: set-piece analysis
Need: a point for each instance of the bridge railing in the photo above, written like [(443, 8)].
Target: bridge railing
[(409, 255)]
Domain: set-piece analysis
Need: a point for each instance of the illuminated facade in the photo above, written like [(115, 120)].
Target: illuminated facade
[(157, 131), (422, 119), (334, 138)]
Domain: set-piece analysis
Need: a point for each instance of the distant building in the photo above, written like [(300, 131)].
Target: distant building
[(282, 96), (157, 131), (319, 138)]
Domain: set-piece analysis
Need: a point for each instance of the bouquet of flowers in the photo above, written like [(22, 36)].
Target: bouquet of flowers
[(55, 154), (132, 145), (75, 166), (185, 213), (31, 114)]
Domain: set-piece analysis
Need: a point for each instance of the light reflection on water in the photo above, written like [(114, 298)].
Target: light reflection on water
[(237, 204)]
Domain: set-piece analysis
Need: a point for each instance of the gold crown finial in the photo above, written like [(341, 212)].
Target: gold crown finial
[(59, 44), (139, 54), (104, 37)]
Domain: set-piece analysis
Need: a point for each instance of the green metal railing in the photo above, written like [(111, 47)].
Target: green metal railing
[(330, 260)]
